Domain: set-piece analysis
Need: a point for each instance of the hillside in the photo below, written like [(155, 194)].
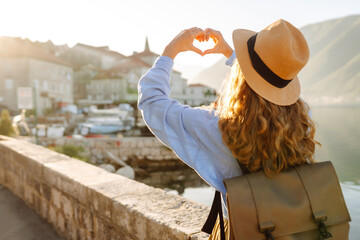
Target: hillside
[(332, 75)]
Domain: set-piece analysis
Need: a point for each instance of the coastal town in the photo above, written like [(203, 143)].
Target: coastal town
[(80, 90), (78, 161)]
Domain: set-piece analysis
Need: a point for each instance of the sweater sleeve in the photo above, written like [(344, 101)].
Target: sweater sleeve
[(168, 120)]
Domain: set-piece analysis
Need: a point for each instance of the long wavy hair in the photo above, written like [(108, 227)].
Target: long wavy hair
[(262, 135)]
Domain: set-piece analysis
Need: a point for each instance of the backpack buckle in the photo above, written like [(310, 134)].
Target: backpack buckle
[(324, 234), (267, 228)]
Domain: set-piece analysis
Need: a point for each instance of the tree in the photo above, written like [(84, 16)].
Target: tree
[(6, 127)]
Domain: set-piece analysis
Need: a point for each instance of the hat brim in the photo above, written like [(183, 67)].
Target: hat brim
[(280, 96)]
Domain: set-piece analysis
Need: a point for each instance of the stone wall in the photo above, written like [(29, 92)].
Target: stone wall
[(139, 147), (83, 201)]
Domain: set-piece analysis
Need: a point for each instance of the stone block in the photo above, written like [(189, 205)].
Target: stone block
[(52, 215), (2, 175), (155, 151), (105, 230), (46, 191), (12, 182), (145, 151), (70, 228), (66, 177), (133, 143), (100, 202), (28, 196), (148, 143), (80, 234), (60, 222), (44, 208), (23, 174), (114, 234), (56, 198), (37, 204), (140, 143), (84, 217), (67, 206), (12, 166), (167, 210), (123, 218), (36, 185), (21, 190), (124, 144)]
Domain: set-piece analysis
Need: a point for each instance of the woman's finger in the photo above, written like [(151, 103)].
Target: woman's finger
[(197, 33), (195, 49), (211, 32), (212, 50)]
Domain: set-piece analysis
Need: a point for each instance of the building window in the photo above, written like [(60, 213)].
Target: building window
[(36, 84), (9, 84), (53, 87), (45, 85), (61, 87), (68, 89)]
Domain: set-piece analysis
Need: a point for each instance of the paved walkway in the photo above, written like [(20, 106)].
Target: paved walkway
[(19, 222)]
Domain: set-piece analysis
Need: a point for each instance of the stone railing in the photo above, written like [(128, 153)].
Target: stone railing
[(83, 201), (139, 147)]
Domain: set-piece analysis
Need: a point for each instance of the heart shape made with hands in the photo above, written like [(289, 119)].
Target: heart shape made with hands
[(205, 45)]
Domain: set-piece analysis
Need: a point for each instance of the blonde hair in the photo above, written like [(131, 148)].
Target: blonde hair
[(262, 135)]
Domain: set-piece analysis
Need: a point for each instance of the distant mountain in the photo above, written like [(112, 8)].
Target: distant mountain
[(213, 75), (333, 72), (332, 75)]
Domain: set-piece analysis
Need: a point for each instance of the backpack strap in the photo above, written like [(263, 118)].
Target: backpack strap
[(216, 210)]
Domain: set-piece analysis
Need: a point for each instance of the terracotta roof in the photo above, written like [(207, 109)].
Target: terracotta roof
[(128, 64), (176, 71), (103, 50), (144, 54), (17, 47)]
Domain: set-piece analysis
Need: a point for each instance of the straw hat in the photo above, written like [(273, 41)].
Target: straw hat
[(271, 59)]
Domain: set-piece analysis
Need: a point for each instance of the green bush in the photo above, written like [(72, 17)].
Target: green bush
[(6, 127), (71, 151)]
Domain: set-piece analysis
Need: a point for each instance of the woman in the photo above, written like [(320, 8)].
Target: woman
[(260, 121)]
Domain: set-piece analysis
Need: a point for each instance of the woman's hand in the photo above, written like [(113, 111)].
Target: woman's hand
[(221, 46), (184, 42)]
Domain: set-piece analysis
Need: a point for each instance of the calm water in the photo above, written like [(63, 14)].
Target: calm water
[(339, 133)]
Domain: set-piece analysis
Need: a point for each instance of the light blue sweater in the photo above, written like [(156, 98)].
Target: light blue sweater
[(192, 133)]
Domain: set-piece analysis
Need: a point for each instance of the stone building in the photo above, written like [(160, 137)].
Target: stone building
[(82, 80), (99, 57), (130, 70), (24, 64), (111, 89), (91, 63), (104, 76), (83, 75), (198, 94), (140, 62)]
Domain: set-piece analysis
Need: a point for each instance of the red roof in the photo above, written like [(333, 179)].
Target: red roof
[(17, 47), (144, 54), (103, 50), (128, 64)]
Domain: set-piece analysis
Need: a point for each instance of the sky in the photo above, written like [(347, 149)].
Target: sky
[(123, 25)]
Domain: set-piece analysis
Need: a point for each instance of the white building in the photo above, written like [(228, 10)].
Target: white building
[(24, 64)]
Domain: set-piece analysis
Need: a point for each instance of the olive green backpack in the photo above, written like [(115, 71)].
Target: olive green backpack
[(304, 202)]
